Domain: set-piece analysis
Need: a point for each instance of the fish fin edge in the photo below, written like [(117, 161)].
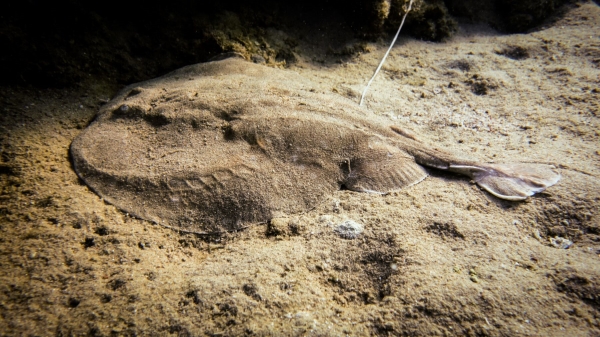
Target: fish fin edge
[(512, 182)]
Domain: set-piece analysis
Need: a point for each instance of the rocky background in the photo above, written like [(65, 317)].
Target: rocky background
[(61, 43)]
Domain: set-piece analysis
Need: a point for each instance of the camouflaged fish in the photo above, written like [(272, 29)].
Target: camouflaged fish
[(216, 146)]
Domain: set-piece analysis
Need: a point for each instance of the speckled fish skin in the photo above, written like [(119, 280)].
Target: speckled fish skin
[(216, 146)]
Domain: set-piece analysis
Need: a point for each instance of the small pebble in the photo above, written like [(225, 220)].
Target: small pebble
[(560, 243), (349, 229)]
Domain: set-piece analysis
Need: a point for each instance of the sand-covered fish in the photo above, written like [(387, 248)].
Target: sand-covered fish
[(216, 146)]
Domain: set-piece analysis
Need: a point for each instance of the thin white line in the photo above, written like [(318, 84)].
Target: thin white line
[(362, 98)]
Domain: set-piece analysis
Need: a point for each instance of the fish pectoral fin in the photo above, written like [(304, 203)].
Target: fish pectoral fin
[(385, 172), (510, 181)]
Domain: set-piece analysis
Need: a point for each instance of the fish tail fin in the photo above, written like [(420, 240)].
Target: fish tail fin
[(510, 181)]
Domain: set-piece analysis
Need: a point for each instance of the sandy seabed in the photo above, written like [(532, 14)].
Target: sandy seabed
[(439, 258)]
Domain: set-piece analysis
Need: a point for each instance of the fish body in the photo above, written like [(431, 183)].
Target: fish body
[(216, 146)]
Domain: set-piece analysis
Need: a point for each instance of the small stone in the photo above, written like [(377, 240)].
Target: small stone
[(278, 227), (473, 276), (560, 242), (349, 229), (336, 206)]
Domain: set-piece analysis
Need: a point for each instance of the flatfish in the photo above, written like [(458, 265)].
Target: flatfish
[(217, 146)]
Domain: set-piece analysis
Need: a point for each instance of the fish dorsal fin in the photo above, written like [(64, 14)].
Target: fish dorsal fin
[(382, 169), (511, 181)]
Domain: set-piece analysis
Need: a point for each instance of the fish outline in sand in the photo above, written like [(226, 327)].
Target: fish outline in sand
[(214, 146)]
